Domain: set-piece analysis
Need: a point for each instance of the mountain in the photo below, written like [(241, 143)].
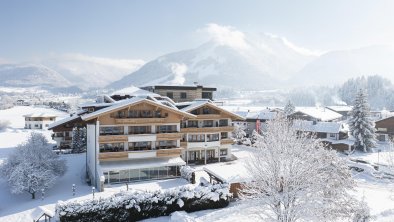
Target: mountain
[(89, 71), (251, 62), (27, 75), (337, 66)]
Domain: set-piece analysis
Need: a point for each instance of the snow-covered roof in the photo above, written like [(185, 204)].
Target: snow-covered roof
[(201, 102), (141, 163), (63, 121), (127, 102), (40, 115), (318, 127), (231, 172), (320, 113), (264, 114), (134, 91), (95, 105), (39, 211), (340, 108)]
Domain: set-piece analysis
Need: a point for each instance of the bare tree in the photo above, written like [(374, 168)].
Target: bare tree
[(296, 178), (32, 166)]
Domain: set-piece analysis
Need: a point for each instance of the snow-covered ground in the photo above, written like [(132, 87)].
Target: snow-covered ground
[(378, 193)]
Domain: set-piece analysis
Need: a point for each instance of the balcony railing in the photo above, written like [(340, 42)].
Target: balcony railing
[(139, 120), (208, 129)]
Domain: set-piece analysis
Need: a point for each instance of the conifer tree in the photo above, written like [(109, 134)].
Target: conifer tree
[(362, 127)]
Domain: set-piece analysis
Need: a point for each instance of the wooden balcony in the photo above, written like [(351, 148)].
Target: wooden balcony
[(169, 152), (113, 138), (226, 141), (139, 120), (169, 136), (209, 116), (208, 129), (113, 156)]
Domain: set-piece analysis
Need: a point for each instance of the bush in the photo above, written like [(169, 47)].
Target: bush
[(187, 173), (137, 205)]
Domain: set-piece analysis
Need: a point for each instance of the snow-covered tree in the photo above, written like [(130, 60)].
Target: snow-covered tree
[(78, 139), (362, 127), (239, 132), (296, 178), (289, 108), (32, 166), (254, 138)]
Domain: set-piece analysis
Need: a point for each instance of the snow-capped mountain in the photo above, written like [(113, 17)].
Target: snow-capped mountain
[(250, 62), (337, 66), (27, 75), (89, 71)]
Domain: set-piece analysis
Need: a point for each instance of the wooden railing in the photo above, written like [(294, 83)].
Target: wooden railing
[(208, 116), (139, 120), (208, 129), (169, 136), (226, 141), (113, 156), (113, 138), (169, 152)]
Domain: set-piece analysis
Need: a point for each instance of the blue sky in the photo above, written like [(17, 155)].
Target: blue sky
[(146, 29)]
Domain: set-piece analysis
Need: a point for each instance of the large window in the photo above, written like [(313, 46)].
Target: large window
[(223, 152), (135, 146), (212, 137), (111, 130), (111, 147), (165, 144), (196, 138), (139, 129), (192, 123), (183, 95), (223, 122), (207, 95), (208, 123), (166, 129), (224, 135), (124, 176)]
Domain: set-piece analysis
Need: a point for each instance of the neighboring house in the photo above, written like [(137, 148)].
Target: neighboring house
[(343, 110), (39, 120), (21, 102), (385, 129), (315, 114), (62, 130), (333, 133), (255, 120), (182, 93), (207, 136)]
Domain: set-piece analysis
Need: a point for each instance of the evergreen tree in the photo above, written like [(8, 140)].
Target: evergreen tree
[(78, 140), (361, 126), (289, 108)]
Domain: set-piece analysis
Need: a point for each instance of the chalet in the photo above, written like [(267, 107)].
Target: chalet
[(343, 110), (255, 118), (316, 114), (182, 93), (62, 129), (39, 120), (332, 133), (385, 129), (207, 135)]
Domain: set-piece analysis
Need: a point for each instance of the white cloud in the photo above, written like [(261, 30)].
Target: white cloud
[(226, 35), (301, 50), (179, 70)]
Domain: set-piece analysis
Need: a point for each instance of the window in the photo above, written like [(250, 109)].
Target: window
[(165, 144), (196, 138), (46, 125), (224, 135), (382, 129), (170, 95), (111, 147), (183, 95), (135, 146), (223, 152), (207, 95), (146, 114), (192, 123), (212, 137), (139, 129), (166, 129), (223, 122), (111, 130), (208, 123), (332, 135)]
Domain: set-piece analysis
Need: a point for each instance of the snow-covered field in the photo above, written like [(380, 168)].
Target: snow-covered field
[(378, 193)]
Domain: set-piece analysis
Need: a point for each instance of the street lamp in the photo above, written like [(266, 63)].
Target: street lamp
[(93, 190), (42, 194), (378, 155), (74, 188)]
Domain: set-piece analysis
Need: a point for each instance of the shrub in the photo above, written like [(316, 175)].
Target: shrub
[(137, 205)]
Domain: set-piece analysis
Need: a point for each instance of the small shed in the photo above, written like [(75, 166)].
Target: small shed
[(234, 173), (42, 214)]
